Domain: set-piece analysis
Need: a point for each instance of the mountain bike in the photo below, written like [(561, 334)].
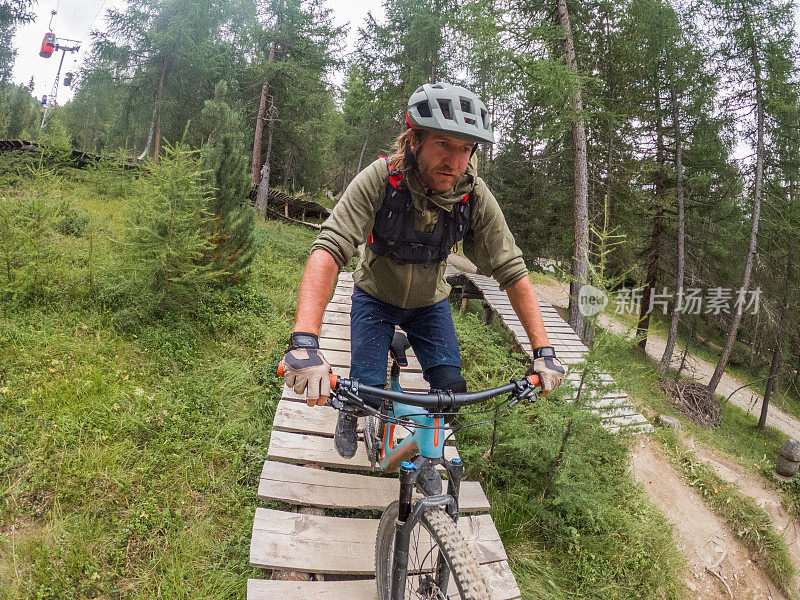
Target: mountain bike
[(419, 549)]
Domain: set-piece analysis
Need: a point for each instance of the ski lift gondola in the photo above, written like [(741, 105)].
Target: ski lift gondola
[(48, 45), (68, 78), (44, 99)]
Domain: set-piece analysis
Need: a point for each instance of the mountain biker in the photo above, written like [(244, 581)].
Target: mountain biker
[(395, 205)]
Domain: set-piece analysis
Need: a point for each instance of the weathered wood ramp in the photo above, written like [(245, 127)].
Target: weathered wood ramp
[(612, 405), (332, 557)]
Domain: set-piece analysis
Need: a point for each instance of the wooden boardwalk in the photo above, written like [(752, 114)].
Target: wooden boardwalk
[(314, 555), (612, 405)]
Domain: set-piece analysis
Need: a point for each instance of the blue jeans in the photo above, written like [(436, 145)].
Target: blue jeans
[(429, 329)]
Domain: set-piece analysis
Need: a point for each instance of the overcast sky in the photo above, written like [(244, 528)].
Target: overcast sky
[(76, 17)]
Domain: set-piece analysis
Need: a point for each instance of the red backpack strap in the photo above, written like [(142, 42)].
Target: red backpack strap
[(395, 175)]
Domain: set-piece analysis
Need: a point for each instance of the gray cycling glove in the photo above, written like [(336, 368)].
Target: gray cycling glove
[(547, 367), (306, 370)]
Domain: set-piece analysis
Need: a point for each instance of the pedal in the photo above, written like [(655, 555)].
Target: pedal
[(371, 441)]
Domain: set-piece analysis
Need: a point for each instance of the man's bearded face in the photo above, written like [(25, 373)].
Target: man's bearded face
[(442, 160)]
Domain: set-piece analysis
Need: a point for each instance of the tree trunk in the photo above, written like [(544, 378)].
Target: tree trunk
[(776, 354), (361, 156), (666, 358), (262, 199), (157, 137), (754, 343), (580, 257), (255, 167), (149, 144), (748, 269), (653, 253), (686, 349)]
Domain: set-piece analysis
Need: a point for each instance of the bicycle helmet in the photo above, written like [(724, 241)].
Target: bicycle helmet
[(450, 110)]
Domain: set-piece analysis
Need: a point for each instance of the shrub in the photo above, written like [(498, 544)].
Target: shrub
[(164, 239), (69, 220)]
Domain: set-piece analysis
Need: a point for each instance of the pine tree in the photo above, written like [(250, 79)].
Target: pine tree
[(224, 162), (12, 13), (748, 26), (165, 238)]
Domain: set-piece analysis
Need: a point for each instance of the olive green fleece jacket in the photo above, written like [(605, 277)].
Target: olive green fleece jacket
[(489, 244)]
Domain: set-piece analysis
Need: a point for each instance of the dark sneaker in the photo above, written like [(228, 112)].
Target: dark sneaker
[(429, 482), (345, 439)]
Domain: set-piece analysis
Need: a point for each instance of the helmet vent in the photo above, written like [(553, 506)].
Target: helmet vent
[(466, 107), (485, 119), (447, 109), (470, 121), (424, 109)]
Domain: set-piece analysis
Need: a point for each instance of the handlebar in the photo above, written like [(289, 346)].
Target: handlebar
[(436, 400)]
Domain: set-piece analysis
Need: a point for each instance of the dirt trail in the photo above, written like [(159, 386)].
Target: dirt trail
[(771, 500), (704, 538), (701, 370)]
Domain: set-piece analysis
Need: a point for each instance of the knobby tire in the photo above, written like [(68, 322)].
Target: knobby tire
[(459, 555)]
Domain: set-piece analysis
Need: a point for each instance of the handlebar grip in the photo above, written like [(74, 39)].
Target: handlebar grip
[(334, 378), (534, 379)]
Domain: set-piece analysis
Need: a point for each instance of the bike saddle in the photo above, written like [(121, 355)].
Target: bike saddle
[(398, 348)]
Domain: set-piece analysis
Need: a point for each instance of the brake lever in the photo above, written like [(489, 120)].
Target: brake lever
[(335, 402)]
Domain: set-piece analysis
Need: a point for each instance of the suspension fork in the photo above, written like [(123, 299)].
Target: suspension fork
[(409, 516)]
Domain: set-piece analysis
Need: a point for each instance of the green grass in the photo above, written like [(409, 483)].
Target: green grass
[(130, 458), (737, 434), (739, 367)]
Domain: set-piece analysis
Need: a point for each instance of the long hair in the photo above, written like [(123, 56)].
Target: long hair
[(402, 157)]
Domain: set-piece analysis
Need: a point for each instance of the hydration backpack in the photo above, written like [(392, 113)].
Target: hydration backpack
[(394, 235)]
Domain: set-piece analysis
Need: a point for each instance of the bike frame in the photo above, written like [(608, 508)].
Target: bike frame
[(427, 440)]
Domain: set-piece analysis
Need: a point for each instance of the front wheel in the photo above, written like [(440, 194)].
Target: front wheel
[(438, 555)]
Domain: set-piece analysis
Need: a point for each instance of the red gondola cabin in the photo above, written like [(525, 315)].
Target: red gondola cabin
[(48, 45)]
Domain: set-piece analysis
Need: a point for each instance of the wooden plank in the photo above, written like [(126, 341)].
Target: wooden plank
[(271, 589), (326, 343), (631, 429), (312, 449), (336, 318), (298, 417), (321, 544), (307, 486), (340, 332), (342, 307), (628, 420), (606, 414), (498, 574)]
